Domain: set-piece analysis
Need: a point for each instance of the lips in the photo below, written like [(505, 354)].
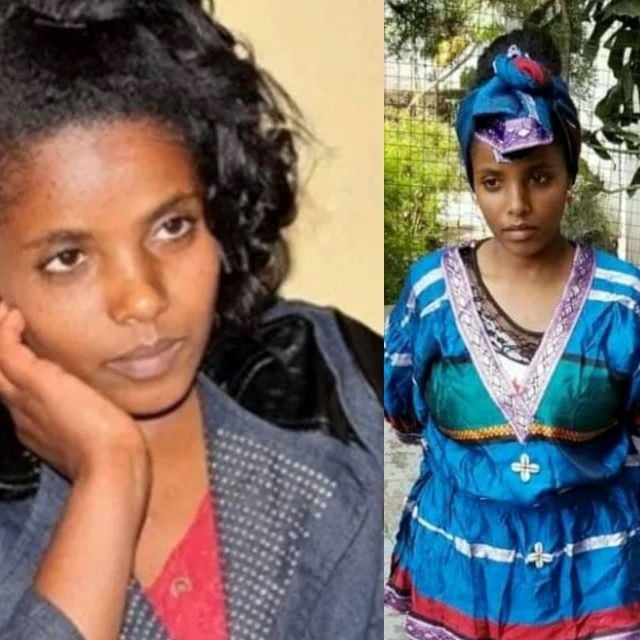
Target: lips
[(147, 350), (520, 227), (147, 361), (520, 232)]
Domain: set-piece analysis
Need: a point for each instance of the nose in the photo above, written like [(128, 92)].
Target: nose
[(136, 292), (519, 201)]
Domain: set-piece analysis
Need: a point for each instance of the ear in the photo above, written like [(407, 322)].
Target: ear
[(569, 197)]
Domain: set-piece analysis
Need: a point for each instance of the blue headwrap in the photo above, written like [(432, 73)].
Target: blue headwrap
[(514, 110)]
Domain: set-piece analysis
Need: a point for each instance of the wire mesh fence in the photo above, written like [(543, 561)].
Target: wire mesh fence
[(432, 49)]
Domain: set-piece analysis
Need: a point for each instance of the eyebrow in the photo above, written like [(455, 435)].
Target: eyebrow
[(480, 170), (534, 166), (76, 236)]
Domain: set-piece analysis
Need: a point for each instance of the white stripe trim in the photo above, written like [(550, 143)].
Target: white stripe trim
[(427, 280), (400, 359), (463, 546), (606, 541), (498, 554), (423, 282), (618, 277), (430, 308), (606, 296)]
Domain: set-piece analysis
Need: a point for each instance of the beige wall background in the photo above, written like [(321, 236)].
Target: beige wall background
[(329, 56)]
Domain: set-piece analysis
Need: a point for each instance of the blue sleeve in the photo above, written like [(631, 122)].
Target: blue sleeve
[(400, 333), (36, 618)]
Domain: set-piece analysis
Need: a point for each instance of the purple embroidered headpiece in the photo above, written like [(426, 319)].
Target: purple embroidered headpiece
[(513, 110)]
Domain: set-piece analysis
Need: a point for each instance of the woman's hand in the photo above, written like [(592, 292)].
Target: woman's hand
[(59, 417), (90, 557)]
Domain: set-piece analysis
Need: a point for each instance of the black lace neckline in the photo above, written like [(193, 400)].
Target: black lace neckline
[(507, 337)]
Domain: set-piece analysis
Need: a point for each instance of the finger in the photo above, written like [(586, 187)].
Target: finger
[(16, 359), (3, 309), (7, 389), (24, 425), (15, 323), (25, 430)]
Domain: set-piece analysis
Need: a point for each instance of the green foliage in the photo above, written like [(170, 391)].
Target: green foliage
[(420, 165), (586, 220), (468, 78), (424, 26), (617, 109)]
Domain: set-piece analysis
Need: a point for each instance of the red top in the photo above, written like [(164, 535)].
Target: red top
[(188, 595)]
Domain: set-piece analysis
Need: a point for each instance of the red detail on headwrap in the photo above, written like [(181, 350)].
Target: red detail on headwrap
[(533, 69)]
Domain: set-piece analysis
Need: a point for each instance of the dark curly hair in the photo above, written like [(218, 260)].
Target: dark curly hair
[(65, 62)]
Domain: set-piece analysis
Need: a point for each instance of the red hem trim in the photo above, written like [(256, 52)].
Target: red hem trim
[(620, 619)]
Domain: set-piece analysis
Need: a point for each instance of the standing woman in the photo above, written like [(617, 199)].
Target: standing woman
[(515, 361), (195, 458)]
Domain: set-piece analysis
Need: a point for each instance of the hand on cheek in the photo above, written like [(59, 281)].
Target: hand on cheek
[(57, 416)]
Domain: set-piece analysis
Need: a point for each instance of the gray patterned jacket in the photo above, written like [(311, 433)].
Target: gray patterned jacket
[(299, 518)]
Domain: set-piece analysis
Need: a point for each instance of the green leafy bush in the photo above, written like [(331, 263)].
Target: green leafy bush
[(420, 167), (586, 219)]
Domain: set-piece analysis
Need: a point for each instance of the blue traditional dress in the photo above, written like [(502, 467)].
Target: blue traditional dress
[(525, 520)]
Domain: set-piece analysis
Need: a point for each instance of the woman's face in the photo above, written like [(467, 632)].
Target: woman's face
[(104, 249), (522, 200)]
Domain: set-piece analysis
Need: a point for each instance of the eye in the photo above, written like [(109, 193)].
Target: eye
[(490, 183), (540, 177), (64, 262), (174, 227)]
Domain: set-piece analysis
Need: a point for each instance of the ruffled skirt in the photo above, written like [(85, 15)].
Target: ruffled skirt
[(568, 568)]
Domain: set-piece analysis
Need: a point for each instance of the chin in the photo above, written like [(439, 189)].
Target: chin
[(525, 249), (529, 248), (154, 397)]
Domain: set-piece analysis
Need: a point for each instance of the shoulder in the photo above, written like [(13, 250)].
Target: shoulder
[(428, 265), (615, 280), (360, 342), (425, 283), (608, 262), (304, 367)]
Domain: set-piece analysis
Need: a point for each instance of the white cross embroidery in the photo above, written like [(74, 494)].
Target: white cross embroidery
[(538, 557), (525, 468)]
